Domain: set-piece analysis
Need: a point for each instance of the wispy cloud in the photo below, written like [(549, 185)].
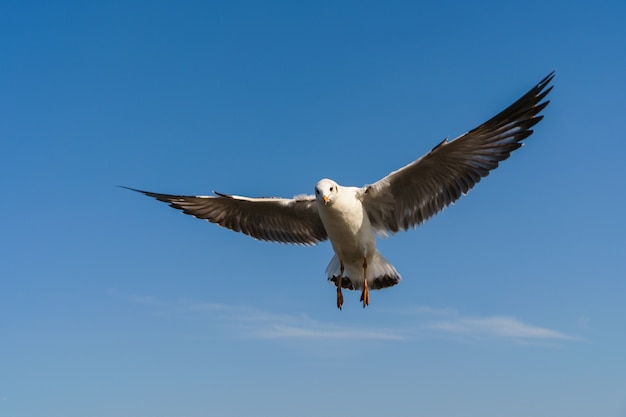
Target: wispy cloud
[(424, 321), (255, 323), (324, 331), (142, 299), (497, 326), (261, 324)]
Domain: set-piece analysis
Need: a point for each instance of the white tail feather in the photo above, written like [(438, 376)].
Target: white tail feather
[(380, 273)]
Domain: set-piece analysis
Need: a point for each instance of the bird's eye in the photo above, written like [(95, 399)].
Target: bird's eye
[(332, 188)]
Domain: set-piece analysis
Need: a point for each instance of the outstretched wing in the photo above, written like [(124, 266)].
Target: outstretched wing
[(411, 195), (274, 219)]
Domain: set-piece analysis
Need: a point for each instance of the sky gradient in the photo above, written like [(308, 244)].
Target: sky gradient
[(113, 304)]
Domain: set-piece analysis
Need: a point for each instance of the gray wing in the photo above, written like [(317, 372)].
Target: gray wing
[(411, 195), (274, 219)]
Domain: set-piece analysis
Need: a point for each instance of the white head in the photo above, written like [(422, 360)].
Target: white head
[(326, 191)]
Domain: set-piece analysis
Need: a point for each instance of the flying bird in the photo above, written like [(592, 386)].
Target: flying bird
[(351, 217)]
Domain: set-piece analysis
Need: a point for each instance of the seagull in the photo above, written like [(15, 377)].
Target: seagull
[(351, 217)]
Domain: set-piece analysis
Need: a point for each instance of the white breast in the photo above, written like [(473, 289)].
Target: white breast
[(348, 226)]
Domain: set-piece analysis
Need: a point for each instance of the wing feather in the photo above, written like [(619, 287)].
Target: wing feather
[(273, 219), (411, 195)]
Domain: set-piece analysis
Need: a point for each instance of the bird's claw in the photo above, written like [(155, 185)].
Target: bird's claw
[(365, 295), (339, 298)]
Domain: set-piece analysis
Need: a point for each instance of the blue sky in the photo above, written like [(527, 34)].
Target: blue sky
[(113, 304)]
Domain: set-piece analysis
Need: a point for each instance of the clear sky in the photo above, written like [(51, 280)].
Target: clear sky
[(113, 304)]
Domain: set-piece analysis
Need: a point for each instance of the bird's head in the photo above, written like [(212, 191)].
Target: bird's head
[(326, 191)]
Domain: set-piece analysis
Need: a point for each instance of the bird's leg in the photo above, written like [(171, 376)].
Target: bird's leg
[(339, 294), (365, 295)]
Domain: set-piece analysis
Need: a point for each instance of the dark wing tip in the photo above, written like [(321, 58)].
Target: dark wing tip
[(130, 188), (138, 190), (166, 198), (148, 193), (546, 80)]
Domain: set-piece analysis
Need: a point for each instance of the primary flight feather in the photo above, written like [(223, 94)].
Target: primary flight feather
[(350, 217)]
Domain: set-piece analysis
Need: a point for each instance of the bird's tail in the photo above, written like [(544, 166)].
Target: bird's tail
[(380, 273)]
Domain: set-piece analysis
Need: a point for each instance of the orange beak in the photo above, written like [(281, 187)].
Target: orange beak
[(325, 198)]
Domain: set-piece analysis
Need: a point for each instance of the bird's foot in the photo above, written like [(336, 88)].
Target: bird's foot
[(339, 297), (365, 295), (339, 284)]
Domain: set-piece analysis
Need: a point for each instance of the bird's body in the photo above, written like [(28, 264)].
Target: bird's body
[(352, 237), (350, 217), (347, 224)]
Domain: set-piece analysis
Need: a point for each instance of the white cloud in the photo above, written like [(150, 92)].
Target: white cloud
[(425, 321), (142, 299), (497, 326), (321, 331), (261, 324)]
